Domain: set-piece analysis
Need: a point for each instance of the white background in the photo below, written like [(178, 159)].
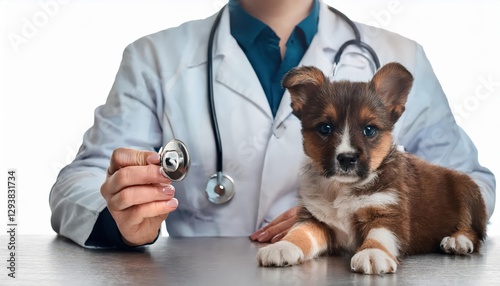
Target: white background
[(58, 60)]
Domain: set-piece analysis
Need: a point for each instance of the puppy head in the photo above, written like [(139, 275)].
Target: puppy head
[(346, 126)]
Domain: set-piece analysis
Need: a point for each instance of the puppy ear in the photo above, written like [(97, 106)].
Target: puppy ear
[(302, 82), (393, 83)]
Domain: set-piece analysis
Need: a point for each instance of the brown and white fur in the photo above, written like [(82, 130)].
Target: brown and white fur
[(360, 195)]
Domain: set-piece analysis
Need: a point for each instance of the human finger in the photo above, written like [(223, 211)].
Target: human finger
[(137, 214), (137, 195), (279, 225), (124, 157), (275, 232), (132, 176)]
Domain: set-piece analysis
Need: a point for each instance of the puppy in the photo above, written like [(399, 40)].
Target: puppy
[(359, 194)]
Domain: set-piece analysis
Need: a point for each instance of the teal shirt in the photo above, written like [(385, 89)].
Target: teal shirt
[(261, 46)]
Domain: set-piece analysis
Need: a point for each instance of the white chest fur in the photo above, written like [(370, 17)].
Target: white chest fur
[(335, 204)]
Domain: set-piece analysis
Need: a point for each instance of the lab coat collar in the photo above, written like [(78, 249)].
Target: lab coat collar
[(231, 66), (235, 71)]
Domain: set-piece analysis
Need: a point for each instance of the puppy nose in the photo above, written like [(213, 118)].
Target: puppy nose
[(347, 160)]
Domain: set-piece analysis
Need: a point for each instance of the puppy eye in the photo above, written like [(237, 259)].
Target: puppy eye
[(370, 131), (325, 129)]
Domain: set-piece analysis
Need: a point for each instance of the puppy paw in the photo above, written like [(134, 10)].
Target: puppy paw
[(281, 253), (373, 261), (457, 245)]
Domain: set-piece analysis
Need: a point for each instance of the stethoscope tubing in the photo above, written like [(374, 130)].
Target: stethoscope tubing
[(210, 88), (356, 41), (219, 175)]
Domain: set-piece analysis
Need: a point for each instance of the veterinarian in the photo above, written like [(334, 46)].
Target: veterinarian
[(113, 194)]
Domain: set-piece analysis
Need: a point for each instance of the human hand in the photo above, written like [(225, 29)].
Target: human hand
[(138, 196), (277, 228)]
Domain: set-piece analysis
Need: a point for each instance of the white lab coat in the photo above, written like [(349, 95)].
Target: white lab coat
[(160, 93)]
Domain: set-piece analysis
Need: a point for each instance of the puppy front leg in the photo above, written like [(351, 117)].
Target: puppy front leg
[(378, 253), (304, 241)]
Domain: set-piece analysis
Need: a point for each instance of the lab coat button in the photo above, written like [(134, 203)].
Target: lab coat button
[(279, 131)]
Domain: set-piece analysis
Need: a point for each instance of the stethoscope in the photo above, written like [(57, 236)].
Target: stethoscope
[(174, 156)]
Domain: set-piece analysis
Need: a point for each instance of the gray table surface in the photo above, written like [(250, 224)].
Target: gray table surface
[(53, 260)]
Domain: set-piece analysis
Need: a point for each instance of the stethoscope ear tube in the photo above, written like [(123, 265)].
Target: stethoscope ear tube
[(356, 41)]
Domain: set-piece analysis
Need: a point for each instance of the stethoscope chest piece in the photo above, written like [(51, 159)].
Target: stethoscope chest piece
[(220, 188), (174, 160)]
